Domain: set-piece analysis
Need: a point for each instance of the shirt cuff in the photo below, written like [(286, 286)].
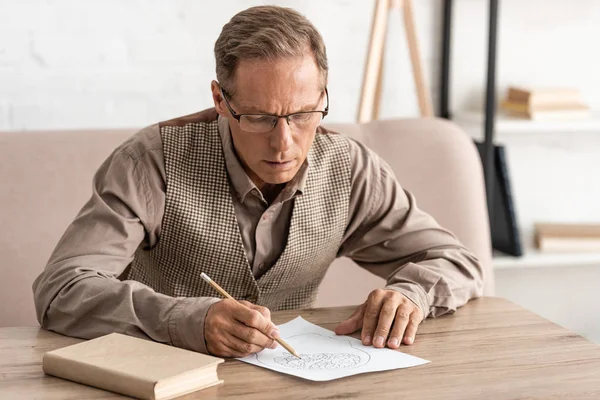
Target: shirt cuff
[(186, 323), (414, 293)]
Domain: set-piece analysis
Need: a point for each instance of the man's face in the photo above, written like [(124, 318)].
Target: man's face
[(281, 86)]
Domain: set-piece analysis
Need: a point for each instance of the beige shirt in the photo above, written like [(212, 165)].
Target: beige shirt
[(80, 293)]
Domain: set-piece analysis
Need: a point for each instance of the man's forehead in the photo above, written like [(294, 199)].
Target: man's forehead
[(266, 84), (269, 101)]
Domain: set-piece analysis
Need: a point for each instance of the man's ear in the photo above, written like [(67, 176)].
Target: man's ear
[(218, 98)]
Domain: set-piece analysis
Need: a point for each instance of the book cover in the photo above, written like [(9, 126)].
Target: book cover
[(540, 96), (134, 367), (567, 237), (576, 230), (550, 114), (529, 108)]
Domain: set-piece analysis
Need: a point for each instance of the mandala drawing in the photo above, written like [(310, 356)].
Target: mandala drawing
[(321, 353), (319, 361)]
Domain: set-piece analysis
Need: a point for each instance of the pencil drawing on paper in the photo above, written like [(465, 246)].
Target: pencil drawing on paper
[(319, 361), (324, 353)]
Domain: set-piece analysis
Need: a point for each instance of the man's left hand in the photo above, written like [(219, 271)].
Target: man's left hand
[(387, 318)]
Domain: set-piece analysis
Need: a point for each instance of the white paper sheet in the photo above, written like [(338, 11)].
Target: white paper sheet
[(327, 356)]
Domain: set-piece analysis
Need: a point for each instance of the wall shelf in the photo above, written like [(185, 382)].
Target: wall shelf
[(505, 124), (533, 258)]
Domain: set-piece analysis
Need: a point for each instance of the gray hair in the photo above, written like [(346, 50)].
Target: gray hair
[(266, 32)]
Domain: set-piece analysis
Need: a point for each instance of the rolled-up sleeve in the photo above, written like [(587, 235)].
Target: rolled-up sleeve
[(391, 237)]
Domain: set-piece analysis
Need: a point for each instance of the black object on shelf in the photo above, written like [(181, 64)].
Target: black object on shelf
[(445, 78), (503, 219), (486, 148)]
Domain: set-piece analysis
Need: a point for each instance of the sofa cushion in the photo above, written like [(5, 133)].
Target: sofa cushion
[(46, 177)]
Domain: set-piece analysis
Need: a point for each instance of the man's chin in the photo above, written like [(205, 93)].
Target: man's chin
[(279, 178)]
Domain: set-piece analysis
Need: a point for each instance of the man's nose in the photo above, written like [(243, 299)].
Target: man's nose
[(281, 136)]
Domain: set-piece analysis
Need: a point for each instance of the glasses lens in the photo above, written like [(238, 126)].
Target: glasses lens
[(257, 123), (265, 123), (305, 120)]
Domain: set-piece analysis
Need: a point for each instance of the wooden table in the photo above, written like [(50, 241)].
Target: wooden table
[(490, 349)]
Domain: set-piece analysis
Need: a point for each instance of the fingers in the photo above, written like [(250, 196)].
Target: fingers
[(403, 317), (390, 318), (413, 325), (263, 310), (254, 326), (353, 323), (253, 336), (230, 329), (387, 314), (371, 315), (243, 348), (256, 319), (232, 346)]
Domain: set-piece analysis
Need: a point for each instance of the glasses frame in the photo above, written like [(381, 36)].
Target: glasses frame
[(238, 117)]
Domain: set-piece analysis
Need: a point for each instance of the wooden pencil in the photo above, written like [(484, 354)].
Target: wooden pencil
[(227, 295)]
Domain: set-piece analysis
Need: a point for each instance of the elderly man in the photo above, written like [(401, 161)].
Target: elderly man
[(256, 194)]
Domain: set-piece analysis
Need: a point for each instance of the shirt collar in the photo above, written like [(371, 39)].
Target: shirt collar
[(242, 184)]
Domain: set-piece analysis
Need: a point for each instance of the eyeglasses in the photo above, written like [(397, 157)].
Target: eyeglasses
[(263, 123)]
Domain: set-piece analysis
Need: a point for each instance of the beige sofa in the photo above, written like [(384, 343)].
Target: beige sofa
[(45, 177)]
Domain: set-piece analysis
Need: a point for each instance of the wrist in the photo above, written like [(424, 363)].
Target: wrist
[(187, 320)]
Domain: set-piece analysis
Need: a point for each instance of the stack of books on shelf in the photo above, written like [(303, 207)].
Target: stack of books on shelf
[(565, 237), (544, 104)]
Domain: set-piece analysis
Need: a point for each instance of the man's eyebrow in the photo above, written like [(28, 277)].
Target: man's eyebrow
[(251, 109)]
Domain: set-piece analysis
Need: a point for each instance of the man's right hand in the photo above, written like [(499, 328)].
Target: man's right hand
[(232, 329)]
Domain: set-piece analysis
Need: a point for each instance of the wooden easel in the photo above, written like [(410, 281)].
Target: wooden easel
[(372, 81)]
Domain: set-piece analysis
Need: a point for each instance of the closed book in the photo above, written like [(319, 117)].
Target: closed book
[(540, 96), (568, 244), (565, 237), (590, 230), (548, 112), (134, 367)]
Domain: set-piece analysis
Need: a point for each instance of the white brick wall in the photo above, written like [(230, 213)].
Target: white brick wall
[(129, 63), (68, 63)]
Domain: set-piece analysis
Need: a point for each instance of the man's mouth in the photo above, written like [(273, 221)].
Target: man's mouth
[(279, 164)]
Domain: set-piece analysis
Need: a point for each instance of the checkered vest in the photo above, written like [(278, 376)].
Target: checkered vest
[(200, 233)]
